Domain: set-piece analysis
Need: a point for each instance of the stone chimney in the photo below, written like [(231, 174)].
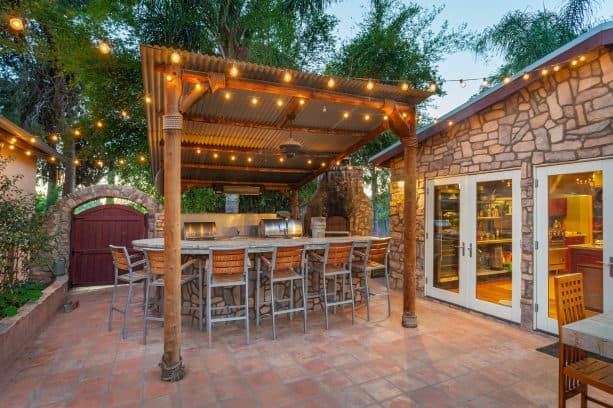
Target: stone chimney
[(340, 195)]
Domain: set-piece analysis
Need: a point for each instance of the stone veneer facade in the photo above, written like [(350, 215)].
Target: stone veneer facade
[(563, 117)]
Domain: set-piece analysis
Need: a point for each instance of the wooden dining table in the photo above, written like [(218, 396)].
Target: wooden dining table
[(593, 334)]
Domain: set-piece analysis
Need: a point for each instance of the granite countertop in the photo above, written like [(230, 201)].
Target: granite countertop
[(587, 246)]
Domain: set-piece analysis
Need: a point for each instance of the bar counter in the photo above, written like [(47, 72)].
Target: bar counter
[(254, 244)]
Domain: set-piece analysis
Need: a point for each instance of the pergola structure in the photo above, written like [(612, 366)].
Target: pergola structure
[(242, 127)]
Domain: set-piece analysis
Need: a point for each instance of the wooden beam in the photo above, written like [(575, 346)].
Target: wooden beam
[(298, 91), (230, 149), (257, 125), (293, 203), (370, 136), (289, 112), (195, 95), (172, 363), (191, 183), (251, 169), (405, 130)]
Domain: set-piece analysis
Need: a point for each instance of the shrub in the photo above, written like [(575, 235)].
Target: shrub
[(13, 298), (24, 241)]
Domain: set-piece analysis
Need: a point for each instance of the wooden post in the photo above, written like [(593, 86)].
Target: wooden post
[(405, 130), (293, 203), (172, 363)]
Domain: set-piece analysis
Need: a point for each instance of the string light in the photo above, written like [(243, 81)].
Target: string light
[(254, 100), (450, 123), (345, 115), (52, 159), (16, 23), (544, 72), (574, 62), (331, 83), (142, 159), (281, 159), (404, 86), (233, 71), (104, 48), (287, 77), (462, 83), (28, 153), (279, 102), (124, 114), (485, 83), (99, 124), (54, 138), (76, 132), (169, 77), (526, 76), (323, 164), (147, 99), (215, 155), (432, 87), (100, 163), (227, 96), (338, 162), (249, 159), (175, 58), (32, 140), (121, 162), (198, 151), (301, 101), (12, 147), (198, 87), (556, 68), (367, 117), (13, 140), (506, 80), (233, 157), (582, 58), (309, 161), (370, 85), (76, 162)]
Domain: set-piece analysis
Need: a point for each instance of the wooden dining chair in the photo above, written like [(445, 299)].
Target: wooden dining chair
[(227, 267), (156, 267), (373, 258), (336, 262), (577, 371)]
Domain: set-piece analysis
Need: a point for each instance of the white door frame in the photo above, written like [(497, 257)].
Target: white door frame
[(541, 235), (467, 262)]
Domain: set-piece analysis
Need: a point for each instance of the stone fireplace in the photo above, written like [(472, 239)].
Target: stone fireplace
[(340, 197)]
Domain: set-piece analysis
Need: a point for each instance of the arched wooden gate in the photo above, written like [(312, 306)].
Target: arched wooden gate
[(93, 230)]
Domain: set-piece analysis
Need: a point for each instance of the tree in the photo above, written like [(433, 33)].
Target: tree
[(395, 42), (522, 37)]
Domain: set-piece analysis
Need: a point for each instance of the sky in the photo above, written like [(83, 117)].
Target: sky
[(478, 14)]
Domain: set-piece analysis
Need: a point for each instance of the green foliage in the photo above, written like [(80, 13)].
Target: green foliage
[(521, 37), (24, 242), (267, 202), (200, 200), (305, 193), (13, 298)]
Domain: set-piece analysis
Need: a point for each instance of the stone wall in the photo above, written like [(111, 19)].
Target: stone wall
[(60, 215), (341, 193), (562, 117)]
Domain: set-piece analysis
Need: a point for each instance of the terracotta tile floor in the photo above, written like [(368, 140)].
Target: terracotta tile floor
[(453, 359)]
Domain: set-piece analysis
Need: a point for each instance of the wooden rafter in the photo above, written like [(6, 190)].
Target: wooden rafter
[(232, 149), (257, 125), (189, 183), (252, 169)]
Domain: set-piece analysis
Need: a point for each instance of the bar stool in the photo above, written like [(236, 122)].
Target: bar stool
[(227, 267), (374, 258), (288, 264), (122, 261), (155, 262), (336, 262)]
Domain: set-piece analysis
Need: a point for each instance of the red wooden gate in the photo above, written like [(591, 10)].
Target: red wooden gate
[(93, 231)]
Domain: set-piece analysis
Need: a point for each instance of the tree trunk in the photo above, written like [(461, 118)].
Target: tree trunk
[(374, 183), (70, 175)]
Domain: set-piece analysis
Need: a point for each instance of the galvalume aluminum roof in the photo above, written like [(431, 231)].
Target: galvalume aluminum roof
[(233, 134)]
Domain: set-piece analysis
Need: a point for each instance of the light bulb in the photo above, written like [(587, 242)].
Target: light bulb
[(142, 159), (432, 87), (121, 162), (309, 161), (227, 96), (54, 138), (13, 140), (169, 77), (485, 83), (198, 151), (574, 62), (52, 159), (301, 101), (215, 155), (147, 99), (331, 83), (100, 163), (281, 159), (526, 76), (76, 162), (582, 58), (232, 157), (99, 124), (16, 23), (254, 100), (11, 147), (287, 77), (370, 85), (404, 86), (279, 102), (104, 48), (544, 71), (124, 113), (556, 68), (233, 71), (323, 164), (506, 80), (198, 87), (338, 162), (77, 132), (345, 115), (249, 159), (32, 140), (450, 123), (404, 114), (367, 117), (175, 58), (385, 117)]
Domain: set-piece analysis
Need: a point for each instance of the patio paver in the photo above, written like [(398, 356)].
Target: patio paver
[(453, 358)]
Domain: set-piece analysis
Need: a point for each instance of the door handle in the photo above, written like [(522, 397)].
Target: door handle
[(470, 249), (610, 265)]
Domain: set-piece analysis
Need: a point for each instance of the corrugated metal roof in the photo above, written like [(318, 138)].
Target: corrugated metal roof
[(250, 126)]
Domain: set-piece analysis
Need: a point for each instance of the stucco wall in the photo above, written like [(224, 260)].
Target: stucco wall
[(563, 117), (23, 166)]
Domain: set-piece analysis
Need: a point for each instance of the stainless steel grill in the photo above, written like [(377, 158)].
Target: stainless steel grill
[(197, 231), (275, 228)]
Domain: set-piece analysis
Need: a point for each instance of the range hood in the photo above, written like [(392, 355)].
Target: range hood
[(242, 190), (565, 185)]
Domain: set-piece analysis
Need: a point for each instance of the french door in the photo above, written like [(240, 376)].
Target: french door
[(473, 229), (573, 234)]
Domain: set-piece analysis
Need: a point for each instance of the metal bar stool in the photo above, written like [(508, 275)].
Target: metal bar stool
[(156, 267), (227, 267), (122, 261), (288, 264), (336, 262), (374, 258)]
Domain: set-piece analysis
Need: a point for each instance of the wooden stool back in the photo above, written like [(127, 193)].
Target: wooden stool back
[(156, 262), (339, 253), (288, 257), (228, 261), (120, 257), (378, 250)]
